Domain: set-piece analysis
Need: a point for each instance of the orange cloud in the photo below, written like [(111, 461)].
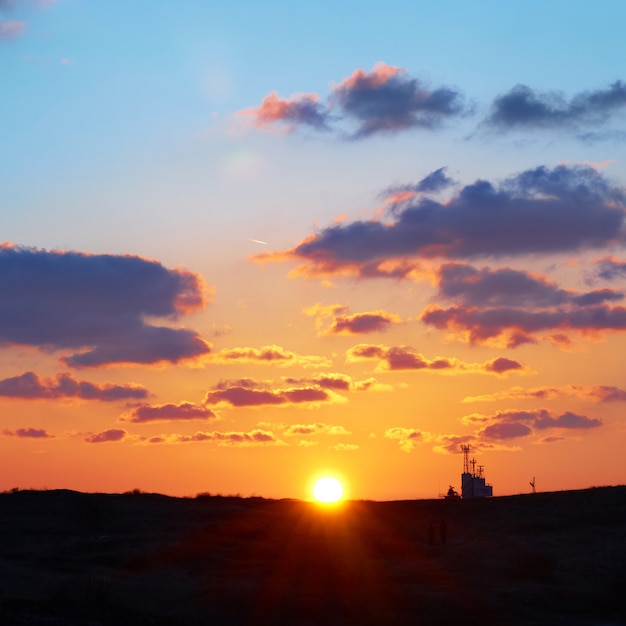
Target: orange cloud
[(233, 438), (318, 428), (593, 393), (269, 355)]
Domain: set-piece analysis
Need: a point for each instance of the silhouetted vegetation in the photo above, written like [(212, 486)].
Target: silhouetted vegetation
[(138, 558)]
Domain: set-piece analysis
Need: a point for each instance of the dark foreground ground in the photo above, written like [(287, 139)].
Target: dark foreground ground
[(73, 558)]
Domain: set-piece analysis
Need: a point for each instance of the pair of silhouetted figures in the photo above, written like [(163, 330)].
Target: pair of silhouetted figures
[(443, 533)]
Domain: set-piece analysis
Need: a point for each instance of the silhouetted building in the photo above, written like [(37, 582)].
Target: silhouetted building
[(473, 483)]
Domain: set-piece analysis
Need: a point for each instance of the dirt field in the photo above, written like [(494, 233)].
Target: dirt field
[(73, 558)]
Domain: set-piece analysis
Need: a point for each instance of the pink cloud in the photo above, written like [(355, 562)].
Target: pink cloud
[(304, 109), (11, 29)]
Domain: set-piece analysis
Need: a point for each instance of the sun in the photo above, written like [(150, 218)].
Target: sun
[(328, 489)]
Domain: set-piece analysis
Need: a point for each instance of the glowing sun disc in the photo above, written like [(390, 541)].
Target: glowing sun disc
[(327, 490)]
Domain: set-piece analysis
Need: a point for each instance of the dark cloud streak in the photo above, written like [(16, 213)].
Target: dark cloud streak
[(522, 107)]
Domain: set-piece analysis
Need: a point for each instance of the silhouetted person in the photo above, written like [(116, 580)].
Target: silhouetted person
[(451, 492), (443, 532), (431, 534)]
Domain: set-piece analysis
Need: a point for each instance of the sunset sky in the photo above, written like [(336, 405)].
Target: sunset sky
[(249, 244)]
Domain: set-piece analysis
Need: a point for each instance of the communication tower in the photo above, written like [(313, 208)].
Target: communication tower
[(473, 483)]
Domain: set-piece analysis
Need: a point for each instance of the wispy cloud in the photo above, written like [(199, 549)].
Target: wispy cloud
[(523, 107), (611, 268), (339, 382), (592, 393), (255, 437), (269, 355), (407, 438), (28, 433), (319, 428), (512, 424)]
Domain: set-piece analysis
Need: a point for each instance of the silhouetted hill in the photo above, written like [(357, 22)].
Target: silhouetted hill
[(547, 558)]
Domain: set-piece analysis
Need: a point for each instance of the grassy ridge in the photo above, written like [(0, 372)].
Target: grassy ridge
[(548, 558)]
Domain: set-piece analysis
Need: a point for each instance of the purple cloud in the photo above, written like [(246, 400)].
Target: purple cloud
[(522, 107), (406, 358), (502, 364), (106, 436), (97, 305), (383, 100), (611, 268), (387, 100), (239, 395), (168, 412), (566, 209), (515, 327), (566, 420), (511, 288), (29, 386), (28, 433), (433, 183), (506, 431)]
